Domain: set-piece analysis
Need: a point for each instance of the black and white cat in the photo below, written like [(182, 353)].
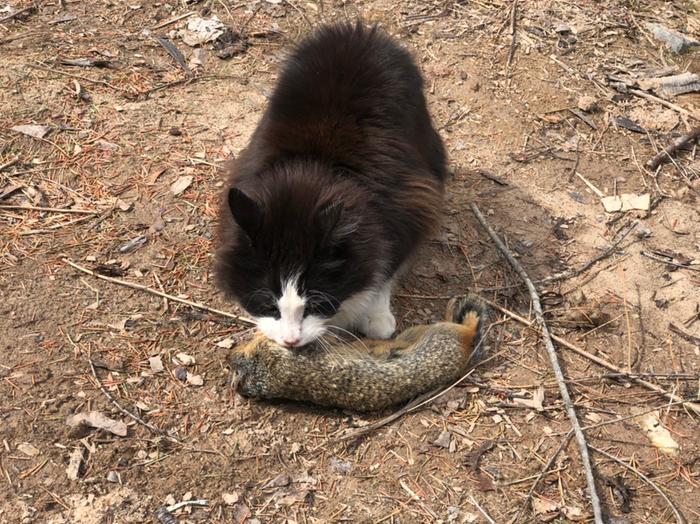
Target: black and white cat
[(340, 184)]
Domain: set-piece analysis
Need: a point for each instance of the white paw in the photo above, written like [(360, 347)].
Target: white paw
[(381, 325)]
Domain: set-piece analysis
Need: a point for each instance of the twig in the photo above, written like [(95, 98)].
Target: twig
[(602, 362), (196, 502), (563, 391), (9, 163), (547, 467), (172, 20), (585, 267), (125, 411), (51, 209), (679, 516), (513, 41), (79, 77), (482, 510), (685, 336), (663, 102), (16, 13), (678, 143), (147, 289), (669, 262)]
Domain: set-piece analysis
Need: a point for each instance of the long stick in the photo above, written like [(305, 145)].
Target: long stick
[(554, 361), (133, 285), (51, 209), (665, 153)]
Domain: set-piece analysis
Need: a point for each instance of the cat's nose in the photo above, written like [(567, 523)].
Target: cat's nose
[(291, 342)]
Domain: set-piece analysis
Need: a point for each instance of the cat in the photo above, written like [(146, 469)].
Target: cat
[(341, 183)]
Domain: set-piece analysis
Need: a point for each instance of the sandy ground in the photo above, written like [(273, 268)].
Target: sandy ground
[(535, 109)]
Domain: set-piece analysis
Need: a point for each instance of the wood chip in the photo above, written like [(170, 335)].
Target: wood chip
[(74, 463), (97, 420), (182, 183), (28, 449)]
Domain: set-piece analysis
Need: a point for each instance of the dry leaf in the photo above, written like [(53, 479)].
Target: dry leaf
[(226, 343), (278, 482), (181, 184), (184, 359), (573, 513), (28, 449), (626, 202), (546, 509), (660, 437), (156, 364), (240, 513), (97, 420), (33, 130)]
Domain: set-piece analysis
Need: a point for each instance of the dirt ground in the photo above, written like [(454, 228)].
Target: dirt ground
[(538, 109)]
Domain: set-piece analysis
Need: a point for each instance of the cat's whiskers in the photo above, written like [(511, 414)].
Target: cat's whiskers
[(352, 335), (329, 349)]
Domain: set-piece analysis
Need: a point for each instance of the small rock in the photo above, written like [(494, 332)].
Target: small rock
[(587, 103), (180, 373)]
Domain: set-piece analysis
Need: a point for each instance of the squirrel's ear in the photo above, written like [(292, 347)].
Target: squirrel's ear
[(246, 212)]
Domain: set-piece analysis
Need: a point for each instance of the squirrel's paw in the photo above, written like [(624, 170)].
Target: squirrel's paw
[(379, 326)]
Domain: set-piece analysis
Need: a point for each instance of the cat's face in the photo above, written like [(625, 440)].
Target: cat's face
[(294, 263)]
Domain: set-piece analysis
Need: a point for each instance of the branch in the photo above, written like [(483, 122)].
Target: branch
[(147, 289), (554, 361)]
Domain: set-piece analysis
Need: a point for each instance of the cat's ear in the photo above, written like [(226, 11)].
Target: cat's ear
[(246, 211)]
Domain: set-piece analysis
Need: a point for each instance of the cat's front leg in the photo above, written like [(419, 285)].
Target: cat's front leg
[(377, 320)]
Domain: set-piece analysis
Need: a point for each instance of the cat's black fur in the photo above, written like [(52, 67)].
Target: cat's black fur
[(342, 179)]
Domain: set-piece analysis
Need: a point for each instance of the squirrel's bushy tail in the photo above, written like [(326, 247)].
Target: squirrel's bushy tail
[(471, 313)]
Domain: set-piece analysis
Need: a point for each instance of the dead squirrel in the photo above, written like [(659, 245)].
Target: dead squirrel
[(365, 375)]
